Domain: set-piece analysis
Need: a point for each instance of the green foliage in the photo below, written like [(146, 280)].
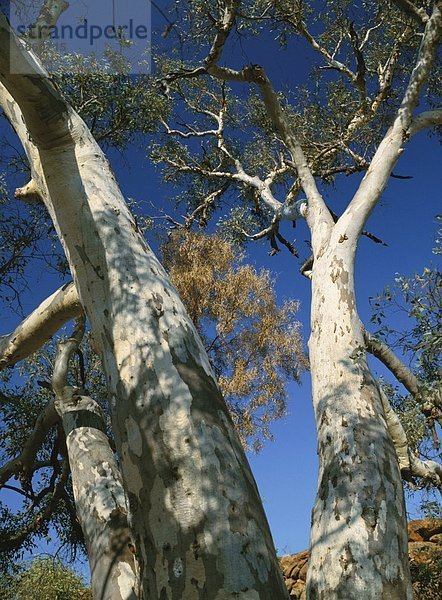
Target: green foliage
[(43, 579), (419, 297), (118, 107)]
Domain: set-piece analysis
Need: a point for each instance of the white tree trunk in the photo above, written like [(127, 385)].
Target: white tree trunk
[(358, 538), (196, 515), (99, 499)]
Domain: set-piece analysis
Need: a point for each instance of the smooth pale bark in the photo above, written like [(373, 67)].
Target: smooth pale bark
[(98, 488), (197, 519), (358, 537), (62, 306), (100, 500)]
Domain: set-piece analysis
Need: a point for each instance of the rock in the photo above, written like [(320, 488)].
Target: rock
[(297, 590), (423, 529), (291, 565), (303, 572)]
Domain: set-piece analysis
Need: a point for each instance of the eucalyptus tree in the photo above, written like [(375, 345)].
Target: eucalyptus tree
[(262, 147), (335, 127), (196, 515)]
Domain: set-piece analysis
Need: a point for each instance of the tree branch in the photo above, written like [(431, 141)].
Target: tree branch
[(317, 210), (330, 60), (397, 433), (262, 187), (409, 463), (36, 94), (40, 325), (201, 211), (417, 14), (429, 118), (57, 491), (47, 18), (187, 134), (386, 355), (354, 217), (25, 462), (224, 28), (430, 470), (29, 192), (65, 351), (254, 74)]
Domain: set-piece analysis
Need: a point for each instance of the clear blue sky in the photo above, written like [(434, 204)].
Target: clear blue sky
[(286, 469)]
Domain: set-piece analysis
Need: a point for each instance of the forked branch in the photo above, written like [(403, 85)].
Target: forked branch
[(354, 217)]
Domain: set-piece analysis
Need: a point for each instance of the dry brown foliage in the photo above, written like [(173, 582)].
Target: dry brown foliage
[(254, 344)]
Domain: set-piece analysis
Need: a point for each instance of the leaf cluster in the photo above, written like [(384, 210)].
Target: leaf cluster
[(44, 579), (119, 107)]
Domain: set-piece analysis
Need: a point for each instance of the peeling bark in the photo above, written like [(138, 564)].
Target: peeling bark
[(198, 522)]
